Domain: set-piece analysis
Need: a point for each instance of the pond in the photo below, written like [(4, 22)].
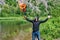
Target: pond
[(10, 29)]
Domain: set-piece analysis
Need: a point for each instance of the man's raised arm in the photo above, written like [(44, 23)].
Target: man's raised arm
[(28, 19), (45, 19)]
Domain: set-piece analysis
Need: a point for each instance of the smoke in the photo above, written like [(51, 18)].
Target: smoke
[(36, 8), (45, 3), (31, 5), (0, 10), (2, 2)]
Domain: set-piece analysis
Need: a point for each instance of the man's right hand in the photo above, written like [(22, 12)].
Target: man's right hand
[(25, 17)]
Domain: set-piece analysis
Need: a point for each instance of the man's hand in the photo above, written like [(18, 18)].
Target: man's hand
[(49, 16), (25, 17)]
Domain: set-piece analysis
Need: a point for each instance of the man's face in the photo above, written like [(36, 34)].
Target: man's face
[(36, 19)]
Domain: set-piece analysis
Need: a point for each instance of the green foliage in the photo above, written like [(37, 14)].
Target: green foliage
[(8, 11), (49, 30), (11, 2)]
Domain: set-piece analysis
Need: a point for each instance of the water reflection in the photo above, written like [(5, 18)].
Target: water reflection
[(10, 29)]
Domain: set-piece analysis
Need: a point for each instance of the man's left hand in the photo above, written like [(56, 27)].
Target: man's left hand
[(49, 16)]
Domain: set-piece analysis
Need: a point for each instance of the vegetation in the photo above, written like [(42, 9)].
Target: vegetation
[(49, 30)]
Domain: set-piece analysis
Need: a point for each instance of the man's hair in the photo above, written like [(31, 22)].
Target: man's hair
[(37, 18)]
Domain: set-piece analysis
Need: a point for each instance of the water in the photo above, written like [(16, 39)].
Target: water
[(12, 29)]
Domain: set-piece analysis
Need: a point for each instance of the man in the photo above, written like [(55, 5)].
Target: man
[(36, 22)]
